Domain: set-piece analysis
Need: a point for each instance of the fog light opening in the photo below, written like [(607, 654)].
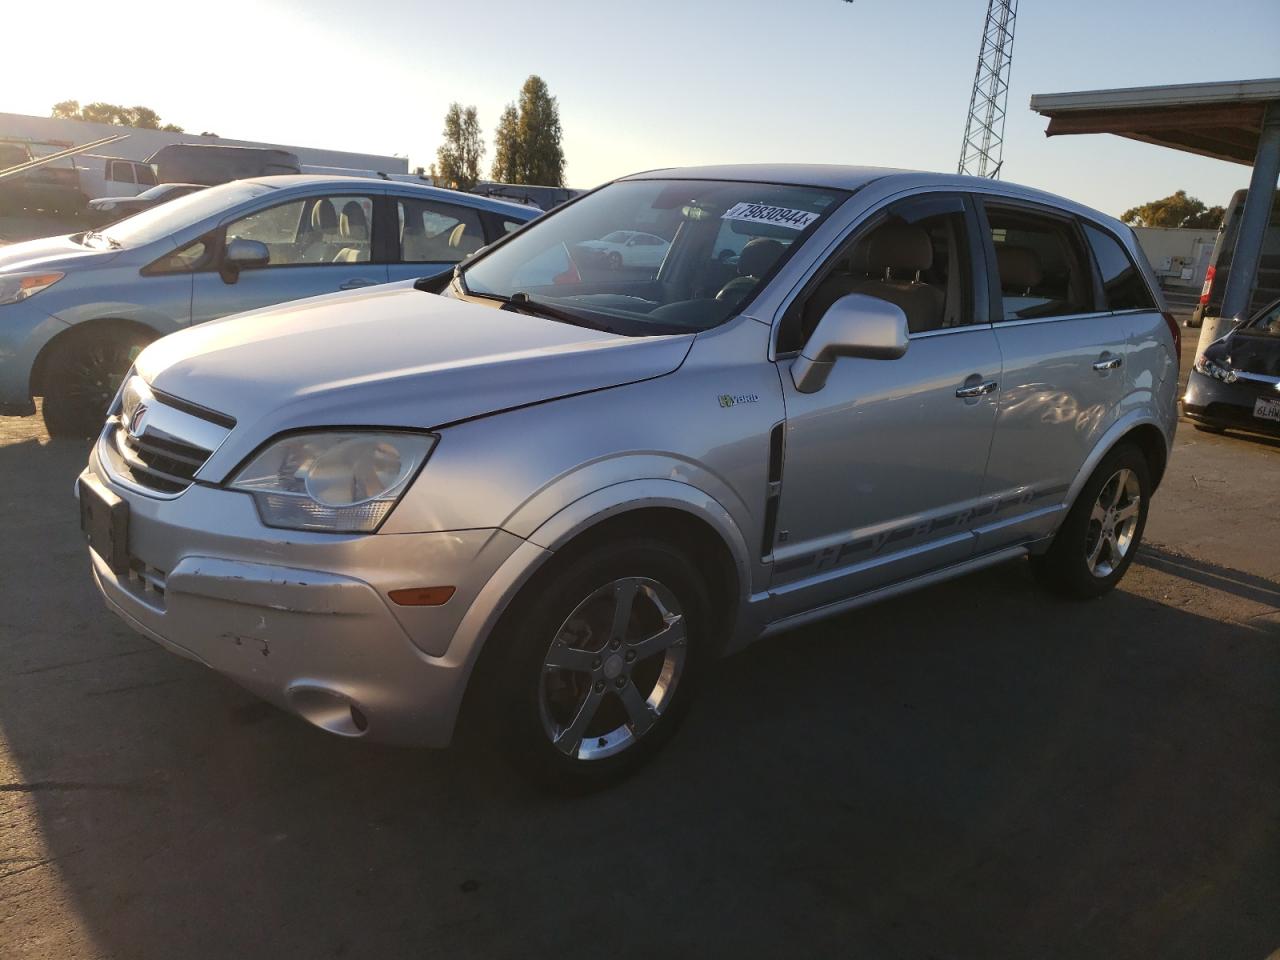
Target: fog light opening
[(329, 710)]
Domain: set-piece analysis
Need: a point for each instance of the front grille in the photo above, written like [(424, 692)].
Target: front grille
[(158, 463), (157, 443)]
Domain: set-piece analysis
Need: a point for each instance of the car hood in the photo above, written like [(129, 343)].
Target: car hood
[(388, 357), (50, 253), (1253, 353)]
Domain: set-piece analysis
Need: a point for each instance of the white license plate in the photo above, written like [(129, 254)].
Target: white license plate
[(1264, 408)]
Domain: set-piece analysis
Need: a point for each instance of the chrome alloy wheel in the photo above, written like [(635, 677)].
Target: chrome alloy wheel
[(1112, 522), (612, 668)]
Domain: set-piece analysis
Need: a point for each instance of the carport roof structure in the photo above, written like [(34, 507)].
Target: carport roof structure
[(1222, 120)]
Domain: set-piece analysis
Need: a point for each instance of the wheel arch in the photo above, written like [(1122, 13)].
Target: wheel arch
[(39, 367), (1140, 430)]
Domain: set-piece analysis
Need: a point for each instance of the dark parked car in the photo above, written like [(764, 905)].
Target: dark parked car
[(1236, 381), (110, 209), (1267, 287), (214, 163)]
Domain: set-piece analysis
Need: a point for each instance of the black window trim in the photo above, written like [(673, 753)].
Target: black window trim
[(1065, 217)]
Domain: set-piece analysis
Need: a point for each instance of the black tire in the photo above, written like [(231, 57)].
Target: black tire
[(615, 260), (1065, 569), (82, 375), (513, 708)]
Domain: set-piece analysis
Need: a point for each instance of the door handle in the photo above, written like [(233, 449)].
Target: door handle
[(356, 283), (977, 390), (1111, 363)]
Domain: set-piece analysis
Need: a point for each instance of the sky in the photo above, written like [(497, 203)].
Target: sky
[(658, 83)]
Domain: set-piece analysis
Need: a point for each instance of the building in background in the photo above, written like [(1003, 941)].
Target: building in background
[(1179, 255), (141, 143)]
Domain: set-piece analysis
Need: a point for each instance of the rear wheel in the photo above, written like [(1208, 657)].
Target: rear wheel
[(615, 260), (595, 666), (1097, 541), (82, 376)]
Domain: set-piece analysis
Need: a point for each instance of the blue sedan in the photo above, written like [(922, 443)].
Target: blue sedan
[(76, 310)]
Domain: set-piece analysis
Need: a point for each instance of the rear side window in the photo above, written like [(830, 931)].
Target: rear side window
[(1122, 283), (120, 171), (1040, 265), (432, 232)]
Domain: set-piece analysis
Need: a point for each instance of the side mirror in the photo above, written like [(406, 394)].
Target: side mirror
[(240, 254), (854, 326)]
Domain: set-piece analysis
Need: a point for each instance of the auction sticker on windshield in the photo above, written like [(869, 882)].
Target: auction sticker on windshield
[(766, 213)]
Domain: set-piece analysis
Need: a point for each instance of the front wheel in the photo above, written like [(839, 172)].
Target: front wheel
[(82, 376), (1100, 535), (595, 665)]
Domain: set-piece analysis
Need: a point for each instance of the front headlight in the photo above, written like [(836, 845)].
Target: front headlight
[(21, 286), (341, 482), (1212, 368)]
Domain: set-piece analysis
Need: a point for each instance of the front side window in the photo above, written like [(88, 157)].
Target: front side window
[(914, 254), (580, 261), (1039, 264), (432, 232), (1122, 283), (317, 230)]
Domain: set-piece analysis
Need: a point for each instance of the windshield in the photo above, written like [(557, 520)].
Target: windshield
[(645, 257), (150, 225), (1266, 323)]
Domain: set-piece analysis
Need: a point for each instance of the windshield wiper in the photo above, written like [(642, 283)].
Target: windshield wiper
[(521, 302)]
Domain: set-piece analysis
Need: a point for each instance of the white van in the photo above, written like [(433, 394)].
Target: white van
[(112, 177)]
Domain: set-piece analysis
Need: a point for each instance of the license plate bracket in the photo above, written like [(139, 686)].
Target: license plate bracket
[(104, 518), (1265, 408)]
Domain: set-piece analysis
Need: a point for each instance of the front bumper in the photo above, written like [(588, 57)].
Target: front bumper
[(1228, 405), (304, 620)]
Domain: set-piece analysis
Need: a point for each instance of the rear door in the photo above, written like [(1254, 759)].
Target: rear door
[(318, 244), (430, 236), (1064, 356)]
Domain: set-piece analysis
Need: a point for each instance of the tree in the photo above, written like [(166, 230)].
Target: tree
[(542, 156), (460, 154), (1176, 210), (527, 143), (506, 147), (100, 112)]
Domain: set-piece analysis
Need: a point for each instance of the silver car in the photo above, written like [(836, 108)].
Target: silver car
[(544, 496), (76, 310)]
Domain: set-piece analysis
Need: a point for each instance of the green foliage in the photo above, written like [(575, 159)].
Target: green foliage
[(527, 142), (98, 112), (1176, 210), (458, 158)]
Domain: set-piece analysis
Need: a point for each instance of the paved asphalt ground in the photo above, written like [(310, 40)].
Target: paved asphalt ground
[(975, 771)]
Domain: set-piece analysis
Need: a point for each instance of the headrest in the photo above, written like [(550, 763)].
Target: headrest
[(899, 246), (353, 222), (1019, 266), (323, 216), (758, 256)]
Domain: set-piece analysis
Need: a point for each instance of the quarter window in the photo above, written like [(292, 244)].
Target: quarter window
[(1122, 285), (317, 230), (1039, 264), (433, 232)]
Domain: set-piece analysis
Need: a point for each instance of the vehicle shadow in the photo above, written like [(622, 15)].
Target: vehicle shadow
[(1235, 582), (972, 771)]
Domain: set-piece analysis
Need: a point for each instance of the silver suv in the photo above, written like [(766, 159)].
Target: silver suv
[(546, 492)]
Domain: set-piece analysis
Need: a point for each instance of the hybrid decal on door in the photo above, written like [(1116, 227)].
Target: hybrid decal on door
[(733, 399)]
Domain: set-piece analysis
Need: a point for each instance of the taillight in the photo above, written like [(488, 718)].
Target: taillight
[(1208, 284), (1176, 331)]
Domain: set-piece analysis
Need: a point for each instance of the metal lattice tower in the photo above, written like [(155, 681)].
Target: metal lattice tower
[(982, 152)]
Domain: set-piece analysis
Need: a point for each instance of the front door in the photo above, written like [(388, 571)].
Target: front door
[(318, 245), (1064, 374), (883, 466)]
